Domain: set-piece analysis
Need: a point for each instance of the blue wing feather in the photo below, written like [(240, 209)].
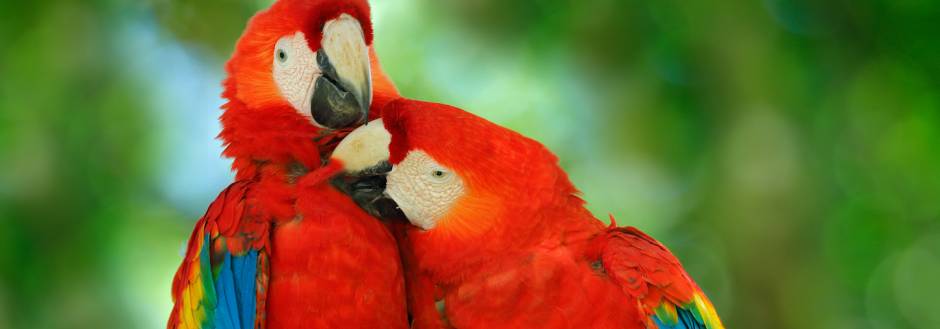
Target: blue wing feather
[(247, 270), (235, 285), (224, 287), (216, 287)]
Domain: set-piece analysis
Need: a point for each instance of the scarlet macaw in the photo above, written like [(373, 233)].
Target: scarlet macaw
[(499, 237), (269, 252)]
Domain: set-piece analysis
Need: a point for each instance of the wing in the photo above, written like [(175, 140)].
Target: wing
[(222, 281), (645, 269)]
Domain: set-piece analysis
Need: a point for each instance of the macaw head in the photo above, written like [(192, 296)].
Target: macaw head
[(301, 68), (453, 175)]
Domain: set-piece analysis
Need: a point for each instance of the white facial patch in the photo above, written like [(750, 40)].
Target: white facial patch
[(295, 70), (423, 189)]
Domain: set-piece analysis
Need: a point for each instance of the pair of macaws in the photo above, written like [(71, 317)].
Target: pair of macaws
[(495, 237)]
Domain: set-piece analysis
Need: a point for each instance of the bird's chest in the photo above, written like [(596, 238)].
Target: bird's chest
[(334, 266)]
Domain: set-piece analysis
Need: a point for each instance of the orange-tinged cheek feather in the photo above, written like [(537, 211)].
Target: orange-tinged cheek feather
[(473, 215), (256, 88), (254, 77)]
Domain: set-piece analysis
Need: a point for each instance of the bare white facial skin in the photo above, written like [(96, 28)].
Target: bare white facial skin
[(295, 66), (295, 71), (424, 190)]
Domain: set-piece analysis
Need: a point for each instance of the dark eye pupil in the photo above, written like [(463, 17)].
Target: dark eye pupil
[(438, 173), (281, 55)]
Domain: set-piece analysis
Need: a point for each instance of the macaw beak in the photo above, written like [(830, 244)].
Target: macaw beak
[(343, 91), (367, 189), (364, 156)]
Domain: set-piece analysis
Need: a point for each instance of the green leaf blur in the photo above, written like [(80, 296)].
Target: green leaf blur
[(787, 151)]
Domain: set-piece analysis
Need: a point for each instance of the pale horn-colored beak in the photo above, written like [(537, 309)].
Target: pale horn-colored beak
[(343, 92), (364, 148), (364, 151)]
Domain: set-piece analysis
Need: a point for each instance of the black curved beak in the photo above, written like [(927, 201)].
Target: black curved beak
[(367, 189), (336, 103)]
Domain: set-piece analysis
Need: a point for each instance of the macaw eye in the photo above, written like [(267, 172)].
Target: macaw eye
[(438, 174), (281, 55)]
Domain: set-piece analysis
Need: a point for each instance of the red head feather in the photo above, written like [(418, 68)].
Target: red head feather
[(512, 184), (483, 152), (259, 125)]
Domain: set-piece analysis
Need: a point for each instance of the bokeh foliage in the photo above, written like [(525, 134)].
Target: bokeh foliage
[(785, 150)]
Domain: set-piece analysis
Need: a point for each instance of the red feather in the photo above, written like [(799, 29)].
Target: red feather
[(518, 249), (229, 230), (645, 269), (337, 267), (322, 262)]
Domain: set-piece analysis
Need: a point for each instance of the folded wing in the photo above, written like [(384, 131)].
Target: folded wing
[(223, 278), (648, 272)]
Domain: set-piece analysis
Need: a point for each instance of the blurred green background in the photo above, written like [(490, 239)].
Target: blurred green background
[(787, 151)]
